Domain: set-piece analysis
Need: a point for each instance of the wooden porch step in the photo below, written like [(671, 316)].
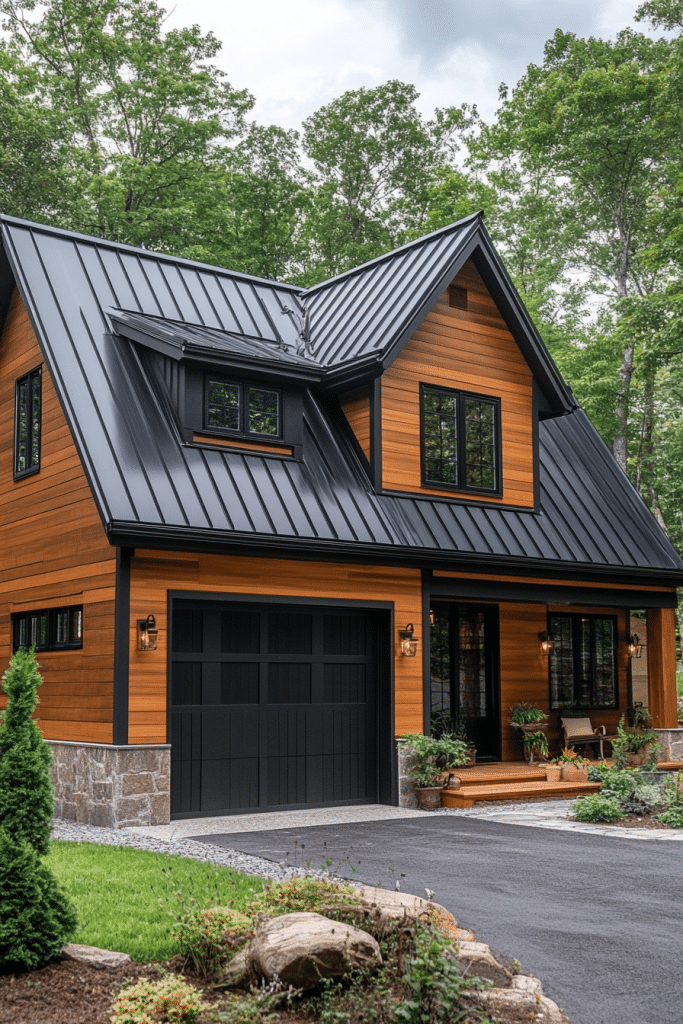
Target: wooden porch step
[(500, 776), (467, 796), (670, 766)]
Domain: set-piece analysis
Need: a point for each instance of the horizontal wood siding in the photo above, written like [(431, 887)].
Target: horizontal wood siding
[(524, 671), (153, 575), (55, 553), (474, 351), (357, 411)]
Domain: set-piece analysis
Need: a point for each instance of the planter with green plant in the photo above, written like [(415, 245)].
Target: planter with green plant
[(531, 722), (574, 767), (637, 747), (432, 759)]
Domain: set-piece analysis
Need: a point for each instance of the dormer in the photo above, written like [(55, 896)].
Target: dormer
[(224, 390), (439, 371)]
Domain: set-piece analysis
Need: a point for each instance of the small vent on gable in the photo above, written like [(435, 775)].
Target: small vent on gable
[(457, 296)]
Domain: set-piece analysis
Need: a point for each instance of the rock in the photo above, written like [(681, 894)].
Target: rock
[(476, 960), (525, 983), (92, 955), (301, 949), (403, 906), (517, 1006)]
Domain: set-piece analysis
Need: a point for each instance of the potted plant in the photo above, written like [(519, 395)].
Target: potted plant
[(432, 758), (639, 746), (553, 771), (455, 726), (531, 722), (574, 768)]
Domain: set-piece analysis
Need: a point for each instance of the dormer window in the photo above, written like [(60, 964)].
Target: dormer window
[(245, 410), (460, 441)]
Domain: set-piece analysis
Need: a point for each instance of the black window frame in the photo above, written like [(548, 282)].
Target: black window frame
[(460, 482), (581, 699), (56, 638), (245, 389), (33, 381)]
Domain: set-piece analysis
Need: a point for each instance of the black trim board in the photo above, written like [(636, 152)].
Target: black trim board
[(121, 646), (543, 593)]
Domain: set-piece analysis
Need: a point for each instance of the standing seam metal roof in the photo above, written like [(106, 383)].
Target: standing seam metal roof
[(148, 483)]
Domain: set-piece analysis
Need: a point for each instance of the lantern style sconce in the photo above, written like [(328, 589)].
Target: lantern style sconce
[(407, 641), (147, 634), (635, 648), (546, 641)]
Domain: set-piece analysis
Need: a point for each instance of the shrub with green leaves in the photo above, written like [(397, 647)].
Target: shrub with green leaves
[(433, 984), (210, 937), (301, 894), (167, 1001), (36, 915), (597, 808), (26, 799), (616, 783), (673, 817)]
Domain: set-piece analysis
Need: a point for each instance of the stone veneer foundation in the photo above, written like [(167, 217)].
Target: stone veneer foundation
[(406, 786), (671, 741), (102, 784)]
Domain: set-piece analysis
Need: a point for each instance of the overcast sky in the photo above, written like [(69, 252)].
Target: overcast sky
[(297, 55)]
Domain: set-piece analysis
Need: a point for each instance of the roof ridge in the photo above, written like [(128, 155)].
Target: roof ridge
[(393, 252), (108, 243)]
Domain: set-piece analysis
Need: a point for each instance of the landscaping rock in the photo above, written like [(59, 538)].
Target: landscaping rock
[(476, 960), (92, 955), (301, 949), (518, 1006), (403, 906)]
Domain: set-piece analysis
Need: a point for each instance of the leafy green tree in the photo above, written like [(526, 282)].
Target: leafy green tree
[(146, 116), (36, 916), (375, 159)]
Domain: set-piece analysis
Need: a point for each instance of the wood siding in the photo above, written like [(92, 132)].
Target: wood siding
[(153, 574), (357, 411), (471, 350), (55, 553)]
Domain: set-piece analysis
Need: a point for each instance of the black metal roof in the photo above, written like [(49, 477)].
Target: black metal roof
[(154, 489)]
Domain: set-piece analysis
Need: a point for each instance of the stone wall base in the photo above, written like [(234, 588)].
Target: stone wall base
[(671, 741), (406, 786), (102, 784)]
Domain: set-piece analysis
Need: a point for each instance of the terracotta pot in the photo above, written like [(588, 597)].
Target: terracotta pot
[(634, 758), (553, 772), (428, 797), (570, 773)]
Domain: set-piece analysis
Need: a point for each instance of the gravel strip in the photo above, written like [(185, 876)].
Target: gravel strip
[(76, 833)]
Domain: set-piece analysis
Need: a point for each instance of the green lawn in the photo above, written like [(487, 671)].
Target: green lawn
[(128, 900)]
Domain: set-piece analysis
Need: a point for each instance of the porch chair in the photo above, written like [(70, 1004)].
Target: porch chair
[(579, 731)]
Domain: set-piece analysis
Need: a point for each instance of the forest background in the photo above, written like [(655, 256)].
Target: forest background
[(113, 125)]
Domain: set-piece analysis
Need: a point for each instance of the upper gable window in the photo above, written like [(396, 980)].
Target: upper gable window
[(243, 409), (460, 440), (27, 421)]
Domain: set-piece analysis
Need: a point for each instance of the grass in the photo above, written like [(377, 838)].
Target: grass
[(128, 900)]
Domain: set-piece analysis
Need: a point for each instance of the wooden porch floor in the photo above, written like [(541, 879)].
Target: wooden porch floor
[(517, 780)]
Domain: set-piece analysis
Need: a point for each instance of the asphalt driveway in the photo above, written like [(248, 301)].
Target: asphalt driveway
[(598, 920)]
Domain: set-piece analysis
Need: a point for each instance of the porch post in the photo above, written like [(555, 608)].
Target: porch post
[(661, 667)]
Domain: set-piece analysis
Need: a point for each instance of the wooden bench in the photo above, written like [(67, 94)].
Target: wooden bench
[(579, 731)]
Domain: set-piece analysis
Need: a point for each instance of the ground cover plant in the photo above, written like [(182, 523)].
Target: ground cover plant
[(628, 796)]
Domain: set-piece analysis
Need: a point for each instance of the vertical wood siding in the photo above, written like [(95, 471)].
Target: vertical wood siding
[(153, 574), (473, 350), (661, 666), (54, 553)]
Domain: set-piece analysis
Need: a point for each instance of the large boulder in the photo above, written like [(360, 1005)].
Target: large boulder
[(301, 950)]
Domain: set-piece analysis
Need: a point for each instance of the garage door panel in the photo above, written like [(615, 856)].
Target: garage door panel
[(288, 712)]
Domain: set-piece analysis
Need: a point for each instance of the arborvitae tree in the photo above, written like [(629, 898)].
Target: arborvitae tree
[(36, 915), (26, 800)]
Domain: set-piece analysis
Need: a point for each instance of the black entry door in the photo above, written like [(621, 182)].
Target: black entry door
[(271, 707), (464, 662)]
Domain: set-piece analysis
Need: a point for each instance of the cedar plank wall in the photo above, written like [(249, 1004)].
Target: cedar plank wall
[(357, 411), (153, 573), (470, 349), (54, 553)]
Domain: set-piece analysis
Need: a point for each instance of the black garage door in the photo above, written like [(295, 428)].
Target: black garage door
[(272, 707)]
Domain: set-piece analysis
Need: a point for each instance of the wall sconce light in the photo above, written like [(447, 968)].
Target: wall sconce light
[(546, 641), (635, 648), (407, 641), (147, 634)]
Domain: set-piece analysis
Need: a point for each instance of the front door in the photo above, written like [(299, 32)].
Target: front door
[(464, 673)]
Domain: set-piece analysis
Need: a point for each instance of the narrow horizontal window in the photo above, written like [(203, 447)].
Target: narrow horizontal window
[(49, 629)]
